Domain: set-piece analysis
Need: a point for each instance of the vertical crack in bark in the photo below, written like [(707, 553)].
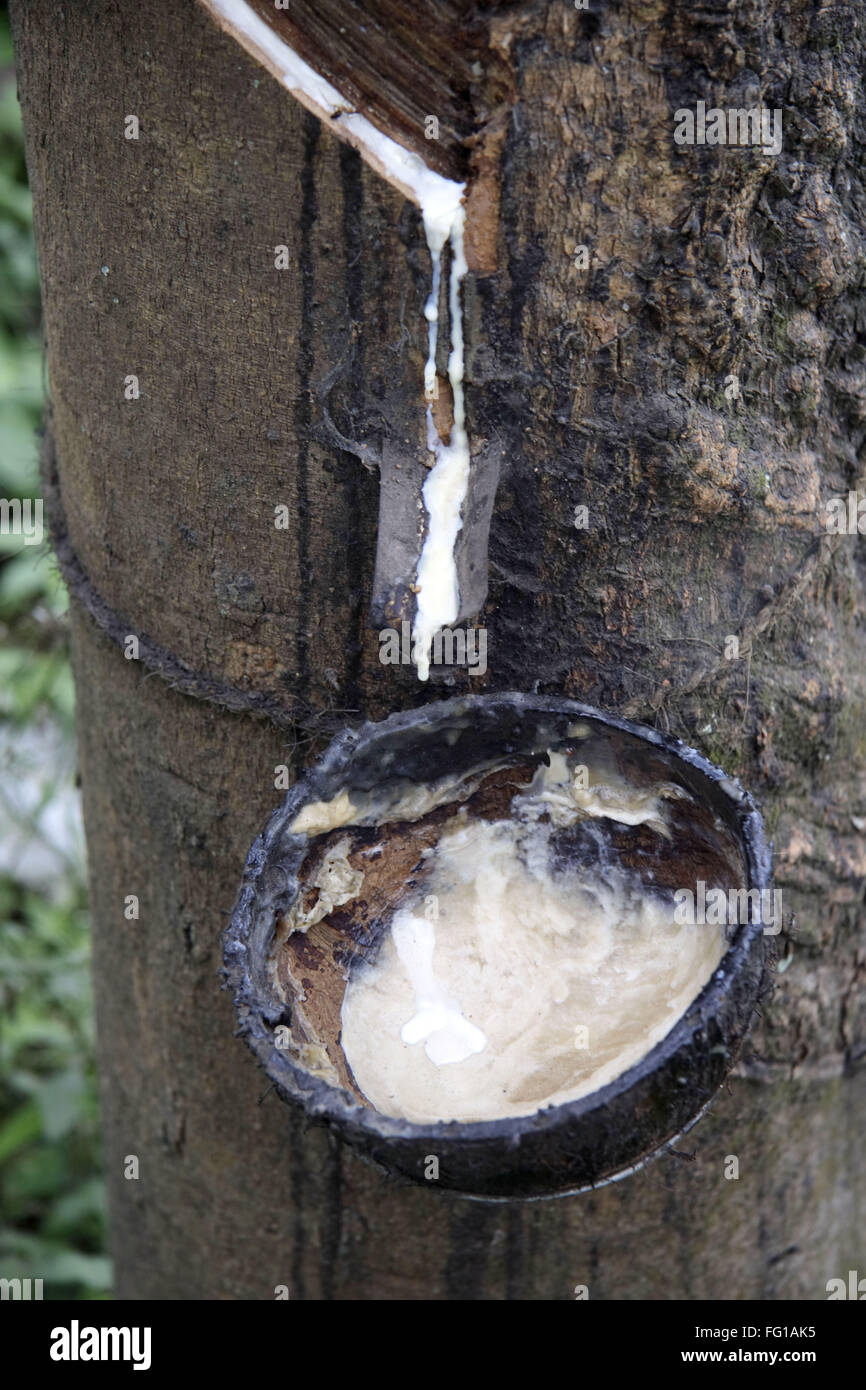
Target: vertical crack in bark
[(353, 212), (306, 358)]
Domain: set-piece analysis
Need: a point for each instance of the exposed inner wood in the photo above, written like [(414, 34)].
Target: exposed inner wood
[(399, 65)]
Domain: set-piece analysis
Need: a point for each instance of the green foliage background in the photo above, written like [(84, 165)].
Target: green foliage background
[(52, 1202)]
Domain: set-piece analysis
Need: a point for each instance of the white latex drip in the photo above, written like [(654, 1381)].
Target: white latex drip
[(431, 314), (444, 492), (438, 1020)]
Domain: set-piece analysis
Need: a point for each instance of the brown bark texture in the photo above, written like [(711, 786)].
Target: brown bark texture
[(603, 387)]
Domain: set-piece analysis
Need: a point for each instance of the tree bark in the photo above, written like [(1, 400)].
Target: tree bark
[(603, 387)]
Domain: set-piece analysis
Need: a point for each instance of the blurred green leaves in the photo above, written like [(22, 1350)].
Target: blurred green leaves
[(34, 671), (19, 285), (20, 355), (52, 1202), (24, 576), (30, 680), (51, 1195)]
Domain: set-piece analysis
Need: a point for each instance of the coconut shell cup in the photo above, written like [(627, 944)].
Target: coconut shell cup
[(288, 985)]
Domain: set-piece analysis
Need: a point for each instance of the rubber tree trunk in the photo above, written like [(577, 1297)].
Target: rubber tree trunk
[(609, 387)]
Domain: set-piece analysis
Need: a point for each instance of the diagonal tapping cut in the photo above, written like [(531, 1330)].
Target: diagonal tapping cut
[(395, 62), (274, 39)]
